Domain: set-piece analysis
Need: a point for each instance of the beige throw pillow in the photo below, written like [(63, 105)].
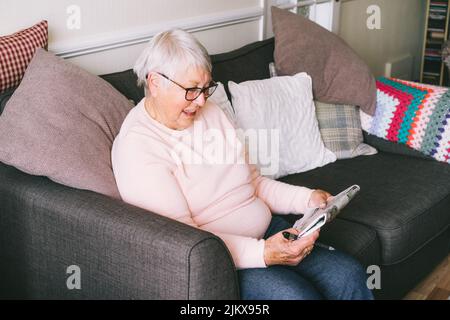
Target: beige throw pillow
[(338, 74), (61, 123)]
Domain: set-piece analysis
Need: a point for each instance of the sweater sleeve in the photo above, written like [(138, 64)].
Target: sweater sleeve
[(149, 183), (282, 198), (246, 252)]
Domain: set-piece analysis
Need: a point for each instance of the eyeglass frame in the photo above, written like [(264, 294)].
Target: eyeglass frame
[(202, 90)]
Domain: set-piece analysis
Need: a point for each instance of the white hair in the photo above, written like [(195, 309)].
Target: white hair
[(169, 52)]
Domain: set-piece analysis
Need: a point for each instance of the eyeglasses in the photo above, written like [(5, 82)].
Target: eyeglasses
[(194, 92)]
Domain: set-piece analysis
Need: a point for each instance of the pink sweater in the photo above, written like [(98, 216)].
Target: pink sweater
[(177, 174)]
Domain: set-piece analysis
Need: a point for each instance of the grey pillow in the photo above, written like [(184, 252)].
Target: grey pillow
[(61, 123), (338, 74), (340, 128)]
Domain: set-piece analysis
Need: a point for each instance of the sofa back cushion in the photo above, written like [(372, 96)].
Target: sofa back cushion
[(126, 83), (4, 98), (247, 63), (61, 123)]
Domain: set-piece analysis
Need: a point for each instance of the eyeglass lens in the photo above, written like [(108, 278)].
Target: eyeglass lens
[(194, 93)]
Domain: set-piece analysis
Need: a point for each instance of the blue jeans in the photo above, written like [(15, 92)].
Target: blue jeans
[(323, 274)]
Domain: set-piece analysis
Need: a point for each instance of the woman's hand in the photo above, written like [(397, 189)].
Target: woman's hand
[(279, 250), (319, 199)]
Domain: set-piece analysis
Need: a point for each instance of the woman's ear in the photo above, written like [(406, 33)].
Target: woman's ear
[(153, 84)]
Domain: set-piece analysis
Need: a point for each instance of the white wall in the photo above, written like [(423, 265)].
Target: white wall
[(111, 23), (122, 27), (401, 33)]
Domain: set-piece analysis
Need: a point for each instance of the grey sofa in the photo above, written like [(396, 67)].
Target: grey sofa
[(399, 221)]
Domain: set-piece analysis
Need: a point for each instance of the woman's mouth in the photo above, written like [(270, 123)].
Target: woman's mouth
[(189, 113)]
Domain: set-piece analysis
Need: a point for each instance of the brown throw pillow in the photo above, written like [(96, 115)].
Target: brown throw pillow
[(338, 74), (61, 123)]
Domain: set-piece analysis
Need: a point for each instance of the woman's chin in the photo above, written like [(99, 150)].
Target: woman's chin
[(185, 123)]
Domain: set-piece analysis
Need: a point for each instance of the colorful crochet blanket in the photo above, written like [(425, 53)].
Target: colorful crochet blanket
[(414, 114)]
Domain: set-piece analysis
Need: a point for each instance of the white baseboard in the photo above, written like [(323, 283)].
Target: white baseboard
[(400, 67)]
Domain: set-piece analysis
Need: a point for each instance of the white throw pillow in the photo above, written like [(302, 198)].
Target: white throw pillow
[(282, 109)]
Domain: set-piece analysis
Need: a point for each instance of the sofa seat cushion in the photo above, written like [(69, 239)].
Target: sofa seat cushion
[(405, 200)]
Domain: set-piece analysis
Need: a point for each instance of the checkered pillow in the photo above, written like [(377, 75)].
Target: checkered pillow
[(340, 128), (16, 51)]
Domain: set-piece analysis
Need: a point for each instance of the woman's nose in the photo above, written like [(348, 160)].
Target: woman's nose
[(200, 100)]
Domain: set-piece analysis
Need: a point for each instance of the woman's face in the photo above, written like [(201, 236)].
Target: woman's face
[(168, 99)]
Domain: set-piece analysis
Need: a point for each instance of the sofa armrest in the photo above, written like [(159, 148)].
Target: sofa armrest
[(123, 252), (391, 147)]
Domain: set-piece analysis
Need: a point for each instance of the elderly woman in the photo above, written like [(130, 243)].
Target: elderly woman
[(230, 199)]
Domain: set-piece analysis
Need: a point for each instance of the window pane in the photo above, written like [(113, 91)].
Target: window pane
[(304, 11)]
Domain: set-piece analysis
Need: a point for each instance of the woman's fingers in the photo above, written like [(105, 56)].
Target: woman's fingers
[(313, 236), (308, 251), (300, 244), (279, 250), (292, 230), (320, 198), (323, 199)]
